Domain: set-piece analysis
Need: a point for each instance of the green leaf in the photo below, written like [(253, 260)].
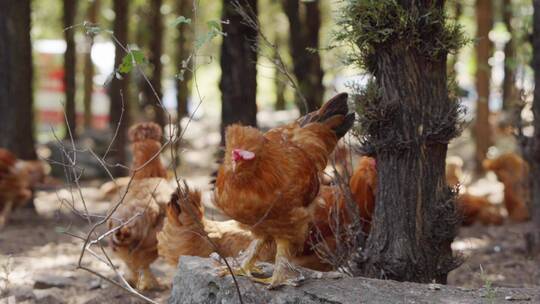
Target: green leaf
[(181, 20), (214, 25), (130, 60)]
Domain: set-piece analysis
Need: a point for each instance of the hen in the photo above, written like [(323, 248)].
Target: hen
[(512, 171), (269, 180), (140, 215), (187, 232), (477, 208), (363, 185), (15, 187)]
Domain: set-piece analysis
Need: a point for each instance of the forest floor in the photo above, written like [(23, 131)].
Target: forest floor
[(38, 260)]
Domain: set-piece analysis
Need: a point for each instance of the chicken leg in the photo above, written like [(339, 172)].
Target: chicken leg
[(248, 266), (285, 273), (5, 213), (148, 280)]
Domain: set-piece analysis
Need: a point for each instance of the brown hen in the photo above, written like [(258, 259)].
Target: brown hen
[(139, 217), (269, 180), (512, 171), (15, 185)]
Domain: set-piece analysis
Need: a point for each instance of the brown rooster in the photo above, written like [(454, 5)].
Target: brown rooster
[(140, 215), (269, 180), (512, 171), (15, 187)]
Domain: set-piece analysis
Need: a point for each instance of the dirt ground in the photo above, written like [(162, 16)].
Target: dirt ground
[(39, 252)]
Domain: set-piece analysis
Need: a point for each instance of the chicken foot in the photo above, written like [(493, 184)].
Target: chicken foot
[(248, 266), (285, 273)]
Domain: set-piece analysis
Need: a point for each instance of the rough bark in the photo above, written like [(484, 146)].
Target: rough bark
[(186, 36), (533, 149), (238, 61), (156, 50), (305, 23), (70, 11), (88, 72), (16, 72), (408, 124), (197, 281), (508, 90), (482, 129), (118, 91)]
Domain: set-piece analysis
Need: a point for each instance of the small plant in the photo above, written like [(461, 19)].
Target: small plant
[(488, 286)]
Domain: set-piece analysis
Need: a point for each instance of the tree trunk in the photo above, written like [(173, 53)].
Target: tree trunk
[(238, 61), (16, 113), (482, 128), (509, 91), (304, 42), (186, 36), (408, 124), (70, 10), (279, 82), (118, 91), (156, 50), (93, 8), (533, 148)]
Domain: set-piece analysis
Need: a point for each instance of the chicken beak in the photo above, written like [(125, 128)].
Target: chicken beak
[(233, 166)]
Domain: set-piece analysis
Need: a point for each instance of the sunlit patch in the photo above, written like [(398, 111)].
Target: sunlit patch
[(469, 244)]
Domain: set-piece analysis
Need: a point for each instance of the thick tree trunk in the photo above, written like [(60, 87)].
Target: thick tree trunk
[(119, 109), (89, 67), (238, 60), (482, 128), (70, 10), (303, 40), (533, 149), (16, 113), (408, 126), (509, 90), (156, 50), (186, 36)]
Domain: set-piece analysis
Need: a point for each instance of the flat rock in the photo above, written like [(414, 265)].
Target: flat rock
[(196, 281), (44, 281)]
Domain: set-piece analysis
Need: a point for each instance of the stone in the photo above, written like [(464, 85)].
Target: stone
[(45, 281), (196, 281)]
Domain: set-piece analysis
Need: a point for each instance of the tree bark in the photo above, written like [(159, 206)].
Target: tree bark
[(509, 90), (186, 36), (238, 61), (533, 147), (118, 91), (156, 50), (458, 12), (16, 72), (93, 8), (482, 128), (70, 10), (303, 42), (408, 126)]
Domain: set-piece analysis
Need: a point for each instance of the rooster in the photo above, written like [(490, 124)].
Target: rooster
[(139, 216), (15, 186), (512, 171), (268, 182)]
